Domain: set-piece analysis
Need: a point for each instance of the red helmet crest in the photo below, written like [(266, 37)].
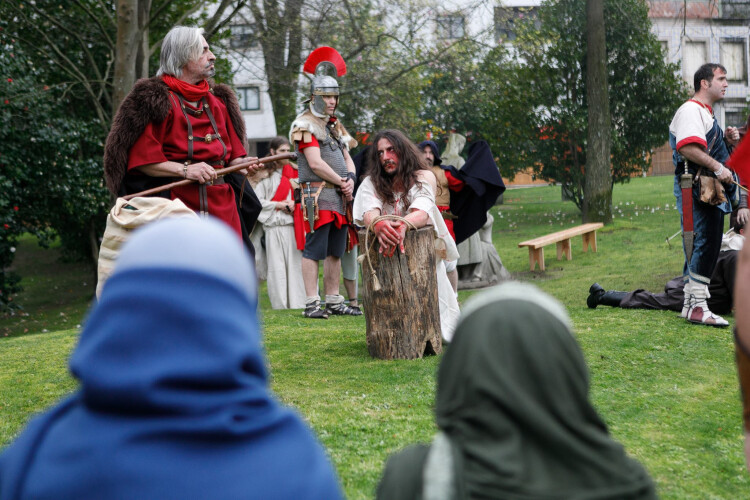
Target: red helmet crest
[(327, 56)]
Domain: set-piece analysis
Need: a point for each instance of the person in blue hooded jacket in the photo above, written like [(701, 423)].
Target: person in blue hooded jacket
[(173, 399)]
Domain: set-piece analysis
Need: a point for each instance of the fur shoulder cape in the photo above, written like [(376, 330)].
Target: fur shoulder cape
[(307, 124), (148, 102)]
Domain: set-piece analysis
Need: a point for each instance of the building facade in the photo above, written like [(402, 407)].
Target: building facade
[(695, 32), (692, 33), (249, 78)]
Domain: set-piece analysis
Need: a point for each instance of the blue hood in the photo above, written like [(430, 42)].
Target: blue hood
[(174, 399)]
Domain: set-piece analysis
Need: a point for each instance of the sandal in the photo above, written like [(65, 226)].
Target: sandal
[(343, 310), (315, 311), (701, 316)]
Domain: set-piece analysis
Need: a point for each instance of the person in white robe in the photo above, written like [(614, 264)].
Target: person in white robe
[(393, 152), (286, 289)]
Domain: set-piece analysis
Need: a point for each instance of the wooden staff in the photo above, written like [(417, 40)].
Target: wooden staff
[(740, 186), (219, 172)]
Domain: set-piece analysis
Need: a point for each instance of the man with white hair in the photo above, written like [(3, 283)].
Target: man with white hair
[(180, 125)]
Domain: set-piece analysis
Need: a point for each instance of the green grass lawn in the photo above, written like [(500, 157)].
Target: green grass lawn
[(668, 390)]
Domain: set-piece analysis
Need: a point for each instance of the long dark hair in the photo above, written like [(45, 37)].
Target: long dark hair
[(410, 161), (275, 144)]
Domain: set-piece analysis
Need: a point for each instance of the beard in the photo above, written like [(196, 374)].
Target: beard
[(389, 173)]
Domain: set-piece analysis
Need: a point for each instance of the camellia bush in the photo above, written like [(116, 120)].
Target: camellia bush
[(50, 169)]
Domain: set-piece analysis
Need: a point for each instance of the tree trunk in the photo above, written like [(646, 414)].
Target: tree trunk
[(144, 49), (126, 50), (280, 35), (597, 199), (403, 317)]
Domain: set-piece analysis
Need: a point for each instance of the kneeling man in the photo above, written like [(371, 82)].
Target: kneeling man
[(400, 183)]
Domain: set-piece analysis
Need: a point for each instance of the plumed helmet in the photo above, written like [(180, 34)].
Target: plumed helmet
[(324, 85), (321, 63)]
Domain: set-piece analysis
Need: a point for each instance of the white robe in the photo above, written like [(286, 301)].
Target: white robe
[(261, 265), (418, 199), (284, 276)]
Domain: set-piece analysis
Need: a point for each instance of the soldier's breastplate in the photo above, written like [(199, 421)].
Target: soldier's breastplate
[(332, 153)]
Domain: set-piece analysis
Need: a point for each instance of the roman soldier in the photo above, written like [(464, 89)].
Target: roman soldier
[(326, 177)]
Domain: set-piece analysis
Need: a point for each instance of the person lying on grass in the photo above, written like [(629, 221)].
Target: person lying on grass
[(721, 289)]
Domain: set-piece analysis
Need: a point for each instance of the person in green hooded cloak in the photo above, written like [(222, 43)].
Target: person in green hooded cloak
[(514, 416)]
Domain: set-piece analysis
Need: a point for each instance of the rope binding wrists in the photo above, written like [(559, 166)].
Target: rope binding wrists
[(368, 245)]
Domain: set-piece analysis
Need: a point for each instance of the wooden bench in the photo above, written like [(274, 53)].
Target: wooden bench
[(562, 238)]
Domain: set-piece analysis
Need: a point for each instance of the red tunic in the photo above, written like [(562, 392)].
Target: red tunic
[(167, 141), (288, 173)]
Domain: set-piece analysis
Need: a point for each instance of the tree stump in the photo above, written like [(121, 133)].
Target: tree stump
[(403, 317)]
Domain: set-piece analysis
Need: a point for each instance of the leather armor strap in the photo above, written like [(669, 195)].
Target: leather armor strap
[(307, 193), (187, 112), (320, 185)]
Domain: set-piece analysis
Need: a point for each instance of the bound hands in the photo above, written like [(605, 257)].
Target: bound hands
[(391, 234)]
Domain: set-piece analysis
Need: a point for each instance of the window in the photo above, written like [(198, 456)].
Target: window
[(665, 47), (735, 117), (733, 58), (693, 57), (249, 98), (507, 18), (735, 9), (450, 26), (505, 24), (243, 36)]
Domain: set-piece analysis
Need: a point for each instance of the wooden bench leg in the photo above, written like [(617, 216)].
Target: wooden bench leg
[(589, 240), (536, 256), (563, 248)]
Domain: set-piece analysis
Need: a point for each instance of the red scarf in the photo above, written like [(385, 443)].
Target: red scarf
[(282, 193), (192, 93)]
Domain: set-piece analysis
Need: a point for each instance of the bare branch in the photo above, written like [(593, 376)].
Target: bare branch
[(105, 9), (35, 25), (71, 69), (211, 25), (157, 13), (260, 20), (220, 24), (96, 20), (355, 26)]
